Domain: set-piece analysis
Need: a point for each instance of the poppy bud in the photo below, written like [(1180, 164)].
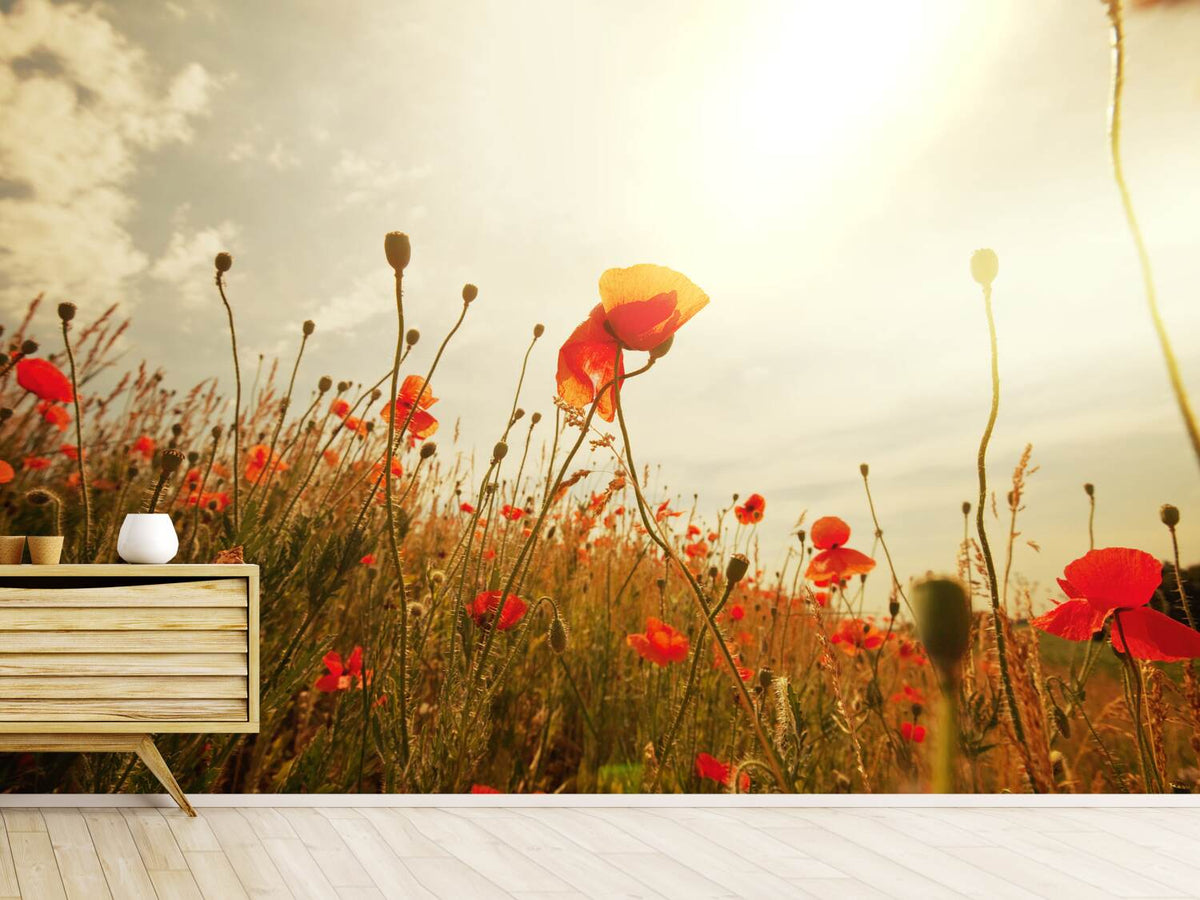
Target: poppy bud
[(308, 327), (1089, 489), (864, 469), (557, 635), (893, 607), (736, 568), (966, 507), (343, 386), (1169, 515), (28, 347), (38, 497), (765, 677), (469, 293), (518, 414), (412, 336), (538, 330), (66, 311), (427, 450), (216, 432), (324, 383), (662, 349), (376, 394), (193, 457), (397, 249), (943, 612), (535, 418), (985, 266), (499, 451), (171, 460)]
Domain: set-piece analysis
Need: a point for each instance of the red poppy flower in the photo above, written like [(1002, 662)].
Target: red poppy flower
[(6, 472), (909, 694), (355, 424), (829, 535), (214, 500), (377, 469), (258, 459), (640, 308), (663, 512), (143, 446), (660, 644), (751, 512), (855, 635), (331, 458), (485, 604), (340, 677), (70, 451), (54, 414), (737, 612), (693, 531), (35, 462), (512, 513), (368, 560), (697, 551), (1119, 582), (911, 731), (416, 397), (708, 766), (483, 789), (340, 408), (42, 377), (912, 652), (466, 508)]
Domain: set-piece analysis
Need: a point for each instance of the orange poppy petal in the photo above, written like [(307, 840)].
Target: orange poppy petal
[(1152, 635), (646, 304), (585, 364), (1115, 577), (1075, 620)]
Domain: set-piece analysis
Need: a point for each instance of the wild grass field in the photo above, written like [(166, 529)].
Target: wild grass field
[(554, 621)]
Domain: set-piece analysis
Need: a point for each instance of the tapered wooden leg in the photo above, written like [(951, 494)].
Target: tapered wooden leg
[(149, 755)]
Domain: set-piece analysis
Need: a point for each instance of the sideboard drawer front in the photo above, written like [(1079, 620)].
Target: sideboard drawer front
[(108, 710), (83, 665), (134, 687), (132, 618), (213, 592)]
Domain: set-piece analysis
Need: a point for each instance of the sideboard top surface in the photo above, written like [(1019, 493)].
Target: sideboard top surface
[(125, 570)]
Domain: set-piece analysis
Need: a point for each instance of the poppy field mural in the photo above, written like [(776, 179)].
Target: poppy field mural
[(548, 608)]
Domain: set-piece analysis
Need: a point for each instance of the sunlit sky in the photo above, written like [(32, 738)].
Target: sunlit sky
[(822, 170)]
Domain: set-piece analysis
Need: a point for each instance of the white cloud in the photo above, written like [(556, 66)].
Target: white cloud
[(365, 299), (257, 146), (366, 179), (79, 104), (187, 262)]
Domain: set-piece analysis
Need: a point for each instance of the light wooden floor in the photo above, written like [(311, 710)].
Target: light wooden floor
[(553, 854)]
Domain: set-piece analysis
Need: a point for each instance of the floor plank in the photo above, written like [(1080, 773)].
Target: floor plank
[(611, 853)]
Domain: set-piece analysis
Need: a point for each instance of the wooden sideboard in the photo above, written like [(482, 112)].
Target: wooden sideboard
[(100, 658)]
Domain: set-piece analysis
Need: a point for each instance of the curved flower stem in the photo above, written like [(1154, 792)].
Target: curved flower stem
[(83, 485), (237, 403), (705, 612), (1145, 752), (393, 547), (882, 543), (1116, 20), (998, 614), (1183, 598)]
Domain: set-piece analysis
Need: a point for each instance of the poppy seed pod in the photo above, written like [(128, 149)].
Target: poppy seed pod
[(171, 460), (966, 507), (557, 635), (1089, 489), (343, 386), (864, 469), (1169, 515), (736, 568), (66, 311), (535, 418), (985, 266), (538, 330), (893, 607), (469, 293), (499, 451), (943, 613), (308, 327), (412, 336), (223, 262), (28, 348), (765, 677), (324, 383), (427, 450), (397, 249), (662, 349), (518, 414)]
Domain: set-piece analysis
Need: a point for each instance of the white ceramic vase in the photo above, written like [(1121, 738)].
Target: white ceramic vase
[(147, 539)]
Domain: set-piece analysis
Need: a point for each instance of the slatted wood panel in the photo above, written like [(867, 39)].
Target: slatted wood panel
[(125, 650)]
